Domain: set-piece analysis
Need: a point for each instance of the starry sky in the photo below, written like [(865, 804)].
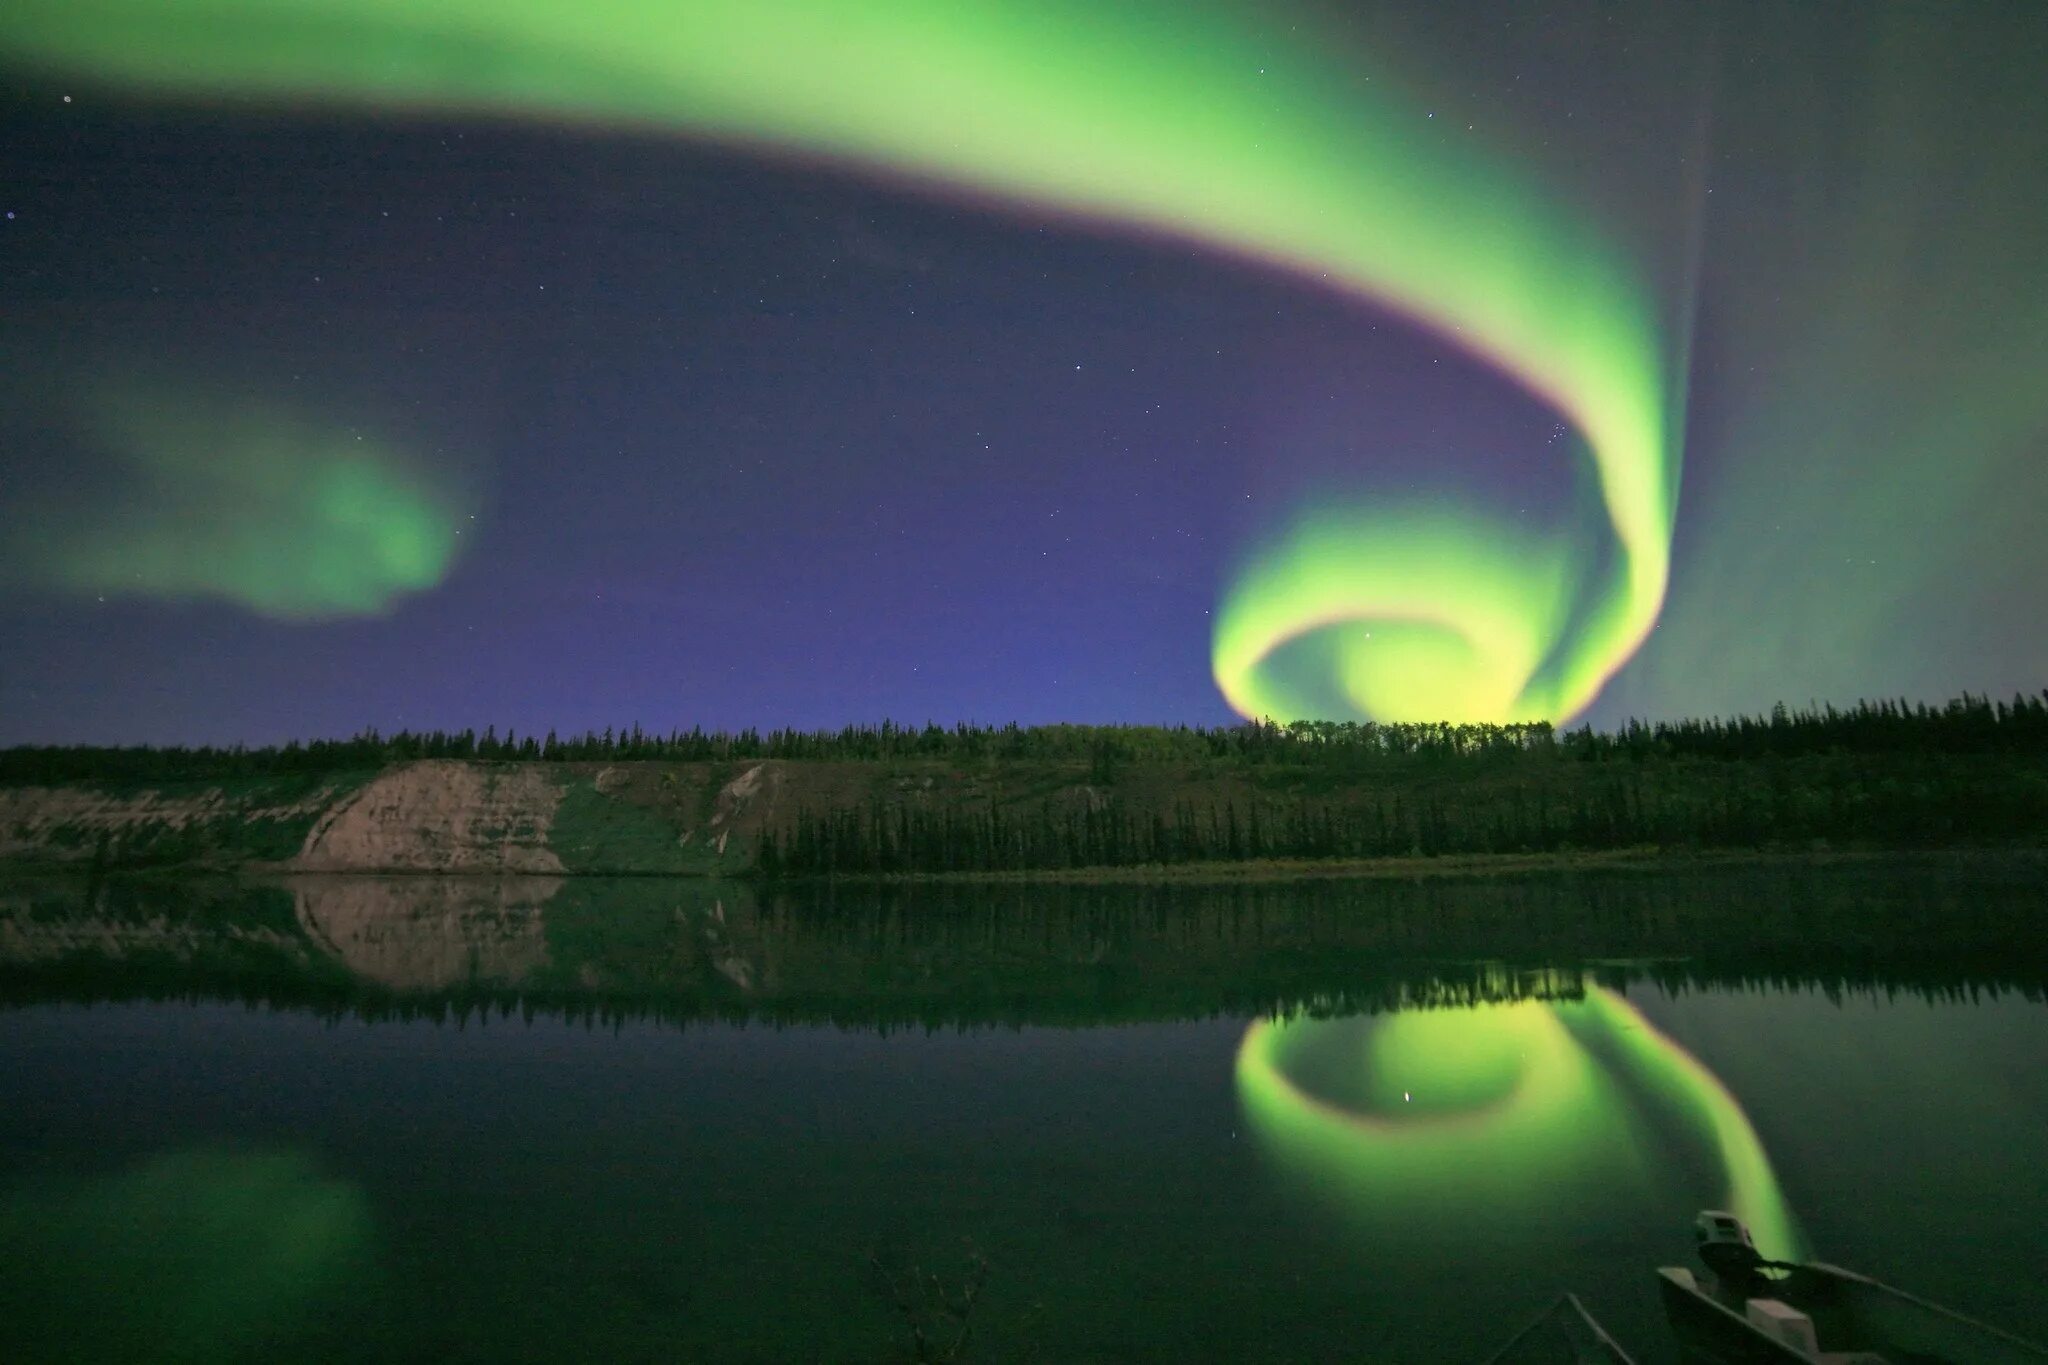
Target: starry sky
[(328, 403)]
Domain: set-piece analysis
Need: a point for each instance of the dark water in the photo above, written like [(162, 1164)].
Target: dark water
[(360, 1120)]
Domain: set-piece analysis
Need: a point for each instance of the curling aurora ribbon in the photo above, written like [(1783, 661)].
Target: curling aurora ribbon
[(1509, 1109), (1212, 123)]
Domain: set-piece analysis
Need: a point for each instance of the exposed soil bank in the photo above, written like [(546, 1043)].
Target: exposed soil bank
[(442, 816)]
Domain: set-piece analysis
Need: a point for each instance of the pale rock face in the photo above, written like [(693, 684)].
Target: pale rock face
[(440, 815), (738, 795)]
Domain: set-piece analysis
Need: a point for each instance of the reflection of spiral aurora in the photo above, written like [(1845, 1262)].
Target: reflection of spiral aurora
[(1499, 1111)]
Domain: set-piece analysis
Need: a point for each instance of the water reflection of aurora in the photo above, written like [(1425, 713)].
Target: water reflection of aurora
[(191, 1255), (1498, 1116)]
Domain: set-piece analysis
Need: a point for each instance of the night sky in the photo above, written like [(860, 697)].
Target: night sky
[(425, 372)]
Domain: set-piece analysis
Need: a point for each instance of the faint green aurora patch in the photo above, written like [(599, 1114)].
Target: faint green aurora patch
[(194, 1255), (212, 496)]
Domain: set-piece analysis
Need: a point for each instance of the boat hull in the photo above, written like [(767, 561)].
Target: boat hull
[(1853, 1313), (1708, 1331)]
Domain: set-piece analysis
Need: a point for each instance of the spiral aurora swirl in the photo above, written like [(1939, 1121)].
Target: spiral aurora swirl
[(1505, 1112), (1214, 123)]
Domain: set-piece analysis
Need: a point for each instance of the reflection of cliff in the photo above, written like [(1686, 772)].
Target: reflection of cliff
[(25, 941), (420, 935), (39, 926), (426, 934)]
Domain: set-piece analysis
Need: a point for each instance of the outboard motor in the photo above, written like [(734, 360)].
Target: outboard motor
[(1726, 1247)]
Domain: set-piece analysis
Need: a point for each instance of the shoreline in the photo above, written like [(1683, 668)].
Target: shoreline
[(1477, 866), (1029, 822)]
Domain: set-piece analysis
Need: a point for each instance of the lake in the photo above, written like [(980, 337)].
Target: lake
[(449, 1119)]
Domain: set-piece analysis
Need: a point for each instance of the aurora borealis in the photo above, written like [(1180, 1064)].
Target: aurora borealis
[(1289, 161), (941, 379), (226, 498), (1062, 361)]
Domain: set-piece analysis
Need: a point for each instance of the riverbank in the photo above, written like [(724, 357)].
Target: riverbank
[(1284, 810)]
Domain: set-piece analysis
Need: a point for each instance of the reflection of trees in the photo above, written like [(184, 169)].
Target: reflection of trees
[(883, 957)]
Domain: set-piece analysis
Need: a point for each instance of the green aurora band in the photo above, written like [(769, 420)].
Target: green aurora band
[(244, 501), (1210, 123), (1501, 1112), (1871, 524)]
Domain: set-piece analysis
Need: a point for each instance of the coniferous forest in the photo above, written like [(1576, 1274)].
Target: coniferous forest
[(1966, 725), (1973, 774)]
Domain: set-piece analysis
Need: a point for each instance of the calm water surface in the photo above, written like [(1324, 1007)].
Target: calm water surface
[(552, 1121)]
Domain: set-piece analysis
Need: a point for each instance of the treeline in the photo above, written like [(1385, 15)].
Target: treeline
[(1802, 804), (1966, 725)]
